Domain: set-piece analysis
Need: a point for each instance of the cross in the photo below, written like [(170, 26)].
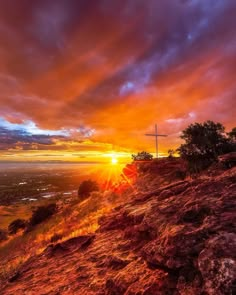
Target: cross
[(156, 135)]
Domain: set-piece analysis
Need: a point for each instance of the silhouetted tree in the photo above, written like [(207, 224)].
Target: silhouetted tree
[(232, 134), (142, 156), (86, 187), (16, 225), (42, 213), (203, 143), (171, 153), (3, 235)]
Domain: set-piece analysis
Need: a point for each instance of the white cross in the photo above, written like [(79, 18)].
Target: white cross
[(156, 135)]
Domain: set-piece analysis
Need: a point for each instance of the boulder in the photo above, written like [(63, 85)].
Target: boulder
[(217, 263)]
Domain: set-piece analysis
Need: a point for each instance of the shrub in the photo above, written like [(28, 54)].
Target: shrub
[(3, 235), (204, 142), (142, 156), (56, 237), (228, 161), (171, 153), (42, 213), (16, 225), (86, 187), (232, 134)]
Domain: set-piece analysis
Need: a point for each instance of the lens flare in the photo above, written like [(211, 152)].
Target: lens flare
[(114, 161)]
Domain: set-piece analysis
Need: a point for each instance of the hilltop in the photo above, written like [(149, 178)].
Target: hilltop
[(169, 234)]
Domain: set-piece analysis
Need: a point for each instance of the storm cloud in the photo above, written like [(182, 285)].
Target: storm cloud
[(112, 69)]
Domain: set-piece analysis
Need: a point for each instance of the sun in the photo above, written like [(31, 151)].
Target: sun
[(114, 161)]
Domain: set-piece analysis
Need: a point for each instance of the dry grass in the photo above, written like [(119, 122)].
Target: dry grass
[(73, 219)]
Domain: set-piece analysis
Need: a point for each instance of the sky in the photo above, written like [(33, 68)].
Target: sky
[(81, 80)]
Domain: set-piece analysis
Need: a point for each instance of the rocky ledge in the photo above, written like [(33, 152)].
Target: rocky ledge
[(176, 239)]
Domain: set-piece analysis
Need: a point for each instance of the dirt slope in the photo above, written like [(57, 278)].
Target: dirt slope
[(176, 239)]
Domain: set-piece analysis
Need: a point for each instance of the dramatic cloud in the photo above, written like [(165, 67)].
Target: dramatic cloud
[(107, 71), (16, 139)]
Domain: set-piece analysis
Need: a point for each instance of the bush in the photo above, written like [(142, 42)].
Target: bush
[(203, 144), (3, 235), (171, 153), (143, 156), (16, 225), (42, 213), (56, 237), (232, 134), (228, 160), (86, 187)]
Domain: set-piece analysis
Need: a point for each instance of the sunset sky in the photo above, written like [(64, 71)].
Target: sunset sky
[(84, 79)]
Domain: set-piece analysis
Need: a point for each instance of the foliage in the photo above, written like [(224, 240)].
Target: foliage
[(142, 156), (56, 237), (86, 187), (228, 161), (171, 153), (3, 235), (42, 213), (232, 134), (204, 142), (16, 225)]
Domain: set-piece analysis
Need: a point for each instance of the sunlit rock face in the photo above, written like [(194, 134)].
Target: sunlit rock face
[(175, 238), (217, 263)]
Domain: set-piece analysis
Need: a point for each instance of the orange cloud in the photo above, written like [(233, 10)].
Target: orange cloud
[(116, 68)]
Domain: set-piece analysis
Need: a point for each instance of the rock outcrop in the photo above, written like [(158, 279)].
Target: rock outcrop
[(176, 239)]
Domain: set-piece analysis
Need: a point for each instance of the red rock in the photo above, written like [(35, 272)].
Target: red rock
[(217, 263), (176, 238)]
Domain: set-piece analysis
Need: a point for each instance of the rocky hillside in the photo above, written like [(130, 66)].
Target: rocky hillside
[(171, 237)]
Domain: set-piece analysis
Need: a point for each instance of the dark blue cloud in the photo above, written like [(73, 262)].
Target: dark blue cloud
[(27, 135), (63, 62), (14, 138)]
